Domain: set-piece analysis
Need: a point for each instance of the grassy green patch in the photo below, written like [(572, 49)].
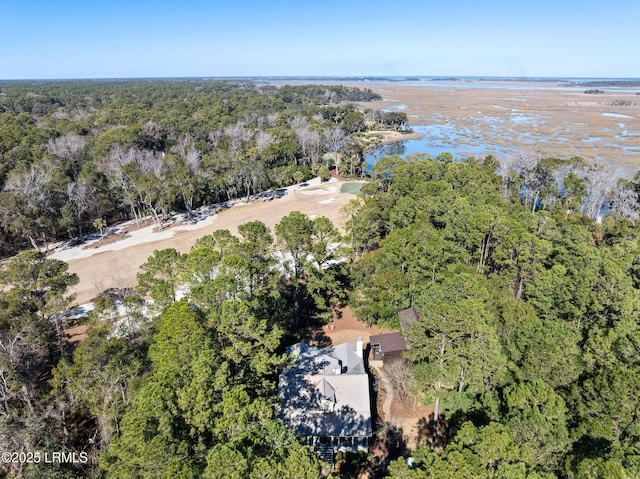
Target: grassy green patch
[(351, 188)]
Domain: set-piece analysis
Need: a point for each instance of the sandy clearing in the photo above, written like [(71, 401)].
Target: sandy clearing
[(319, 191), (115, 265), (346, 329), (135, 237)]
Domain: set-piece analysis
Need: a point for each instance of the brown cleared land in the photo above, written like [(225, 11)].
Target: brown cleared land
[(118, 269)]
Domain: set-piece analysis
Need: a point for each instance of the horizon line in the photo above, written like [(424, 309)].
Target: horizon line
[(330, 77)]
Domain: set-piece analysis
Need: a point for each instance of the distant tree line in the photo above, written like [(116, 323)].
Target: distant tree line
[(607, 83)]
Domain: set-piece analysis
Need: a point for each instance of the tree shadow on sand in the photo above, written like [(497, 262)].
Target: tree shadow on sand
[(428, 435), (315, 335), (388, 444)]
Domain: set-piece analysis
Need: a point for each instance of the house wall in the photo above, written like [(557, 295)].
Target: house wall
[(392, 357), (378, 359)]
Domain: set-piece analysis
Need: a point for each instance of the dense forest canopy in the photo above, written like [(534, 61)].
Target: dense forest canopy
[(527, 339), (75, 153), (528, 335), (526, 272), (179, 388)]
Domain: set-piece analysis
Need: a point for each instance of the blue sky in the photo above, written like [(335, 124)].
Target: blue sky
[(113, 39)]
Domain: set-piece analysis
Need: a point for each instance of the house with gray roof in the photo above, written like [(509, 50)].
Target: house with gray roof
[(325, 397)]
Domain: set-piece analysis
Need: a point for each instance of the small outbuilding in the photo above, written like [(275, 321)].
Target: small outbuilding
[(407, 317), (388, 347)]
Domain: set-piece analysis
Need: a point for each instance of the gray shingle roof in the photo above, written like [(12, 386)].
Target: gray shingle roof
[(407, 317), (313, 378), (312, 359)]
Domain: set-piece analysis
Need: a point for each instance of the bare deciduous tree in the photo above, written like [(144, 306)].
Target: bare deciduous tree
[(334, 140), (600, 182), (309, 138), (139, 174), (237, 135), (271, 118), (113, 165), (401, 378), (625, 202), (507, 171), (150, 162), (215, 137), (150, 185), (263, 140), (30, 182), (81, 195), (528, 162), (67, 146), (33, 202), (186, 148)]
